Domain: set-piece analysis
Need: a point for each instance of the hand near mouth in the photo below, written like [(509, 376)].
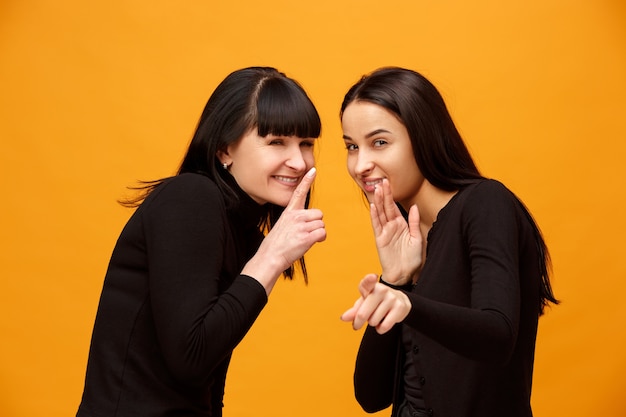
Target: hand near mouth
[(292, 236), (399, 243)]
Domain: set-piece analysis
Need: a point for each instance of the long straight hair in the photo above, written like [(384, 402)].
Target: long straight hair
[(438, 148), (259, 98)]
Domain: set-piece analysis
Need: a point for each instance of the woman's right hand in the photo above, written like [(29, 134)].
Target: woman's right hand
[(399, 243), (379, 305), (294, 233)]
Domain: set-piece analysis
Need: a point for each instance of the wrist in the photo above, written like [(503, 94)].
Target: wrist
[(396, 286), (396, 276), (263, 269)]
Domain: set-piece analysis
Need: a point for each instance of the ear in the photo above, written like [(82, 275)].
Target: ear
[(224, 157)]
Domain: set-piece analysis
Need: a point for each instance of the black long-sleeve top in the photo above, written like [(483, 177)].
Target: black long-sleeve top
[(473, 322), (173, 304)]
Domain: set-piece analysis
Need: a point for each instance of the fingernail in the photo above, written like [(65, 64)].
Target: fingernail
[(311, 172)]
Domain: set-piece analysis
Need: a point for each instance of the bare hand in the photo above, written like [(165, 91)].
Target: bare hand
[(379, 305), (294, 233), (399, 243)]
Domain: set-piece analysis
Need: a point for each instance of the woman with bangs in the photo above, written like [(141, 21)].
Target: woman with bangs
[(196, 262)]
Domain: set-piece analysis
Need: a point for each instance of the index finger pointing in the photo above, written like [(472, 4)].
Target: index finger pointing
[(299, 195)]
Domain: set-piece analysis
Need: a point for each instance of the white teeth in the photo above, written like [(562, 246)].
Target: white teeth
[(286, 179), (371, 182)]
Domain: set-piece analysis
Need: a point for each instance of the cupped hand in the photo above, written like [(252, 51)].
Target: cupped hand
[(399, 243), (379, 305)]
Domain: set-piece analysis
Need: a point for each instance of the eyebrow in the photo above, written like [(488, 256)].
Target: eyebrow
[(369, 135)]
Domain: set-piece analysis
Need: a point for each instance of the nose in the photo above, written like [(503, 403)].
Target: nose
[(363, 164), (296, 160)]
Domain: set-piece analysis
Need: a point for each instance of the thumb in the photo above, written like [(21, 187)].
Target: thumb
[(367, 284), (298, 198), (414, 222)]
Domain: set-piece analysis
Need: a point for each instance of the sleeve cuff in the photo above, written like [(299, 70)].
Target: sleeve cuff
[(405, 287)]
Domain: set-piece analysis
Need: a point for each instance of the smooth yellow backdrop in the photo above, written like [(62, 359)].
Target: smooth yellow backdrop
[(97, 94)]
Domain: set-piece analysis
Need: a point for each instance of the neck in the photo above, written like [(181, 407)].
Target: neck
[(430, 200)]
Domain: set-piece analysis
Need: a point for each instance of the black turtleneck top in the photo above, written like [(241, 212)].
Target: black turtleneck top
[(174, 305)]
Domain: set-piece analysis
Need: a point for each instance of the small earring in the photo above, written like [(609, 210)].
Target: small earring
[(225, 165)]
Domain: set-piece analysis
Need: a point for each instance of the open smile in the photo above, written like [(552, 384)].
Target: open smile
[(370, 185), (290, 181)]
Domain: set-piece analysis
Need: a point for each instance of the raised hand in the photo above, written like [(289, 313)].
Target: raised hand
[(379, 305), (399, 243), (294, 233), (298, 228)]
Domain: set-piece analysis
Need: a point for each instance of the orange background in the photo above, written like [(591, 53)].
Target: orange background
[(97, 94)]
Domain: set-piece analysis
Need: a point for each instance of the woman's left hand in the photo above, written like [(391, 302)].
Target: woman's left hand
[(379, 305)]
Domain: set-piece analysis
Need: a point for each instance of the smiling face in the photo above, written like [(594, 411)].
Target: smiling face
[(379, 146), (269, 168)]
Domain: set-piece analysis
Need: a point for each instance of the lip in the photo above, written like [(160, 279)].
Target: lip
[(369, 184)]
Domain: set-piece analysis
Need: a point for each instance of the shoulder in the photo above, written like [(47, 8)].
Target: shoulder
[(487, 201), (488, 186), (186, 190), (187, 184), (488, 191), (191, 182)]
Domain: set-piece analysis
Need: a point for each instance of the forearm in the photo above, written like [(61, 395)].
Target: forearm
[(196, 345), (264, 269), (480, 333), (375, 370)]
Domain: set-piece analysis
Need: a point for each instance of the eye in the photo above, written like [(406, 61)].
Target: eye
[(276, 141), (307, 143), (351, 147), (379, 142)]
